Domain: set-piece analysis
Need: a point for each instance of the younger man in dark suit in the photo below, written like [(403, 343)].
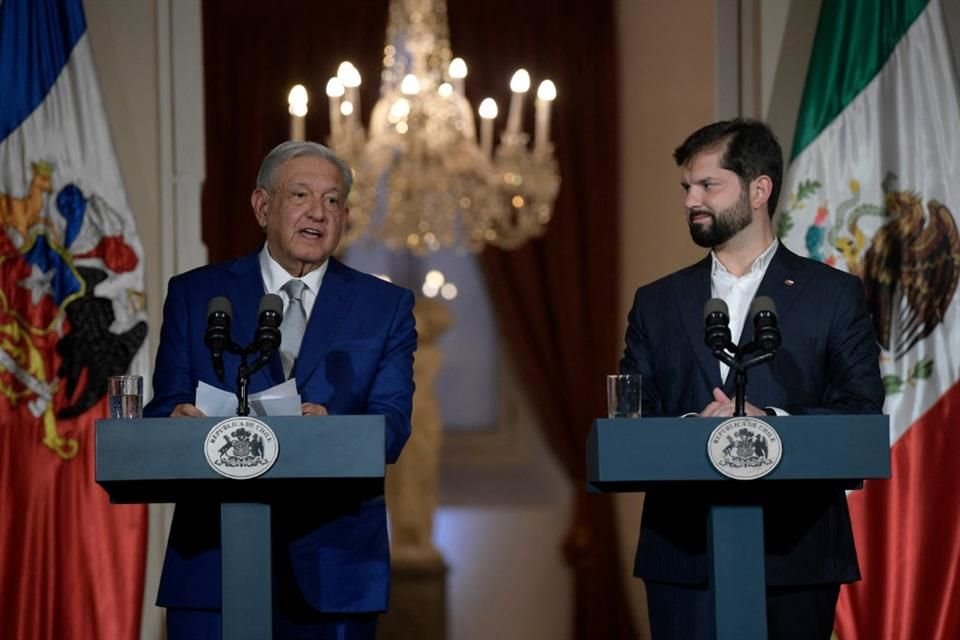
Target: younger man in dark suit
[(731, 173)]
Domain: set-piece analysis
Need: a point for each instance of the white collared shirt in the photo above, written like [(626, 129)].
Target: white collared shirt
[(275, 276), (738, 292)]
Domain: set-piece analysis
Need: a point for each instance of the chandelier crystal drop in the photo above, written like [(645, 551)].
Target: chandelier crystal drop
[(423, 180)]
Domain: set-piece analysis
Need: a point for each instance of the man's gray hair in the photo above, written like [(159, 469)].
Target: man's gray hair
[(294, 149)]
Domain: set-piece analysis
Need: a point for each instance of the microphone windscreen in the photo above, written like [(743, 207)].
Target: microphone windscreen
[(762, 303), (219, 305), (271, 302), (715, 305)]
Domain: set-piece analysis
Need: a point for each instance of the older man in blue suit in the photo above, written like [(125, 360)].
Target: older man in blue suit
[(828, 363), (330, 558)]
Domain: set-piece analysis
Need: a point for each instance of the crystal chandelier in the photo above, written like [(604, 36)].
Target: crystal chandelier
[(422, 179)]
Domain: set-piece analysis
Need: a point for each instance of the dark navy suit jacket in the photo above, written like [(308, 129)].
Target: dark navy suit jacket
[(828, 363), (356, 358)]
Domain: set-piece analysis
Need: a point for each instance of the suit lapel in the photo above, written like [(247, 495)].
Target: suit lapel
[(691, 293), (329, 311), (245, 288), (782, 283)]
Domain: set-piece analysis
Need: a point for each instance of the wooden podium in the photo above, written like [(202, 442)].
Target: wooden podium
[(163, 460), (820, 451)]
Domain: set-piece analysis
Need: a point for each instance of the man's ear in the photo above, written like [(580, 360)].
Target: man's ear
[(760, 189), (260, 202)]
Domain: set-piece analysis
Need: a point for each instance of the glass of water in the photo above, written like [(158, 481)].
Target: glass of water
[(125, 396), (623, 395)]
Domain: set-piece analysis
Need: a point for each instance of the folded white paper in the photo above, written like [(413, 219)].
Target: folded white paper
[(281, 400)]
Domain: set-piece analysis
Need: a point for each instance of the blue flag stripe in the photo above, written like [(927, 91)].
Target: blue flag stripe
[(36, 38)]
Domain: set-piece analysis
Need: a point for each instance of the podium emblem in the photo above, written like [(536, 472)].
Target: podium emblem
[(744, 448), (241, 448)]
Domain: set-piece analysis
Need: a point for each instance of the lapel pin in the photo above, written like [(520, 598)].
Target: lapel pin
[(788, 282)]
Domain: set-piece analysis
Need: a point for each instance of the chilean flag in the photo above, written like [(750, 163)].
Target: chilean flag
[(71, 314)]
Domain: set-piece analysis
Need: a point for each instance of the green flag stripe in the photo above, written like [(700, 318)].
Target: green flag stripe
[(855, 38)]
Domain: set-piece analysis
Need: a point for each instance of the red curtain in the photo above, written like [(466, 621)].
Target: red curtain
[(556, 299)]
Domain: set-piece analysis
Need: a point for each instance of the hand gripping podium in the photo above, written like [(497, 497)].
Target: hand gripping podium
[(836, 451), (164, 460)]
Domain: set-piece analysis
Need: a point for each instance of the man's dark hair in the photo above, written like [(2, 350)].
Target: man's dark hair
[(750, 150)]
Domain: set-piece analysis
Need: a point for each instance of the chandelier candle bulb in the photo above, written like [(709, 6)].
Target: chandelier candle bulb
[(350, 77), (488, 113), (519, 85), (457, 72), (410, 85), (297, 101), (546, 93), (335, 91)]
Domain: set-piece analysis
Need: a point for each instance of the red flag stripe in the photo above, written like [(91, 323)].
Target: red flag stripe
[(908, 537)]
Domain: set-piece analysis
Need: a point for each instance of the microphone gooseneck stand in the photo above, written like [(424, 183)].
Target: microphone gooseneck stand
[(266, 341), (244, 371), (739, 366), (718, 339)]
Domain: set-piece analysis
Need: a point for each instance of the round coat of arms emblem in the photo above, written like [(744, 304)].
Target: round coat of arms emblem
[(241, 448), (744, 448)]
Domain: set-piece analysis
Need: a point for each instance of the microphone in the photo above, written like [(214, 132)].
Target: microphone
[(716, 318), (217, 335), (269, 317), (766, 329)]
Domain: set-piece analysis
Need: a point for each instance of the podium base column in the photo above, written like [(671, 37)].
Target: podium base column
[(246, 571), (738, 578)]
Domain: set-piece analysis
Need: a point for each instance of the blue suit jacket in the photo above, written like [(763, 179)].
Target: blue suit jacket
[(828, 363), (356, 358)]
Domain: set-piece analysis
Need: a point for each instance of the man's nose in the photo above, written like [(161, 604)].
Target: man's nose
[(316, 210), (692, 200)]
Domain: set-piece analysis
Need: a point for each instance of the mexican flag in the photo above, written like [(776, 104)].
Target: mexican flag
[(71, 314), (874, 188)]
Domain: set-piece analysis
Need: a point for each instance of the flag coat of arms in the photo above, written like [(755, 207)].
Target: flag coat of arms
[(71, 315), (873, 189)]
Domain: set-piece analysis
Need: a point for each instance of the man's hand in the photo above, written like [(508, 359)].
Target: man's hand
[(723, 407), (187, 410), (311, 409)]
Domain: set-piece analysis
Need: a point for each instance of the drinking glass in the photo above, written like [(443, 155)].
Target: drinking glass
[(125, 394), (623, 395)]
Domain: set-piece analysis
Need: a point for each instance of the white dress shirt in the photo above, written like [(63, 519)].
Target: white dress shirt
[(275, 276), (738, 292)]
